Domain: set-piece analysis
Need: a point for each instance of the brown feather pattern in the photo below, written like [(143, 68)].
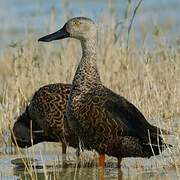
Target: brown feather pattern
[(47, 112)]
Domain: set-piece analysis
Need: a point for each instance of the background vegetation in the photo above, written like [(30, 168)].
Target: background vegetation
[(148, 76)]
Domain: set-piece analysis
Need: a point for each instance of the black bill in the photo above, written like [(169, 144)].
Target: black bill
[(61, 34)]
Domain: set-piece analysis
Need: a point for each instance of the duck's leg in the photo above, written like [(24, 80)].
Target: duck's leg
[(78, 152), (102, 160), (120, 174), (101, 173), (119, 162), (64, 148), (79, 155)]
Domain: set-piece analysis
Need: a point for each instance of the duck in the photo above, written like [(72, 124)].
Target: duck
[(44, 119), (102, 119)]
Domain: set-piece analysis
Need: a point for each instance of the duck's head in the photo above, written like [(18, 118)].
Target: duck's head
[(80, 28), (23, 136)]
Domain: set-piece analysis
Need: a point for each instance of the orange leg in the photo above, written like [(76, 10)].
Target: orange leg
[(101, 173), (102, 160), (119, 162)]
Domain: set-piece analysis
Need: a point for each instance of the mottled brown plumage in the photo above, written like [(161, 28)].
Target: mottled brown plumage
[(102, 119), (47, 112)]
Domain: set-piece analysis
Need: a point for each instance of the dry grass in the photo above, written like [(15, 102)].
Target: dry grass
[(147, 78)]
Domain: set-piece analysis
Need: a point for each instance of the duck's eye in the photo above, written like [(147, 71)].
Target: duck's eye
[(77, 23)]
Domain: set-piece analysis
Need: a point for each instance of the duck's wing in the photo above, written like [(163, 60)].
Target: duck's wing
[(131, 120)]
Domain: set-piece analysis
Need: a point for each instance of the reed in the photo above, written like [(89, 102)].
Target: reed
[(147, 77)]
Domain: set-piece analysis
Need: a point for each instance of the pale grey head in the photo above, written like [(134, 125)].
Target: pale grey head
[(81, 28)]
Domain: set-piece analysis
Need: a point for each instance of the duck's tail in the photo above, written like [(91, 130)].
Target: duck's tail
[(161, 131), (156, 144)]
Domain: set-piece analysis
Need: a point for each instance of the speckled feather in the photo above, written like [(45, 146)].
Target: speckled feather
[(47, 112)]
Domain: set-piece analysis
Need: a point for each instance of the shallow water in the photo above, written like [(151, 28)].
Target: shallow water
[(50, 165), (18, 17)]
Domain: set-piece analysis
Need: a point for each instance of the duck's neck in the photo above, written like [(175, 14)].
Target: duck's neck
[(87, 76)]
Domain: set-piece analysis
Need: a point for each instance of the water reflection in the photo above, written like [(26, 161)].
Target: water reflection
[(66, 172), (53, 169)]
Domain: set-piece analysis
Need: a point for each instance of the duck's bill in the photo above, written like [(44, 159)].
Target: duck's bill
[(61, 34)]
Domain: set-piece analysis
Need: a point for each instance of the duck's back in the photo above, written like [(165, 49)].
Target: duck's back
[(110, 124)]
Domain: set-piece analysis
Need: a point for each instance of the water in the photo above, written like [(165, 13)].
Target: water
[(12, 166), (17, 17)]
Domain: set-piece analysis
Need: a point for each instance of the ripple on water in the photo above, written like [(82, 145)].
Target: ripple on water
[(12, 167)]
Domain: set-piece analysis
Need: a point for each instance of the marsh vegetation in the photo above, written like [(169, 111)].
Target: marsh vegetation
[(147, 75)]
